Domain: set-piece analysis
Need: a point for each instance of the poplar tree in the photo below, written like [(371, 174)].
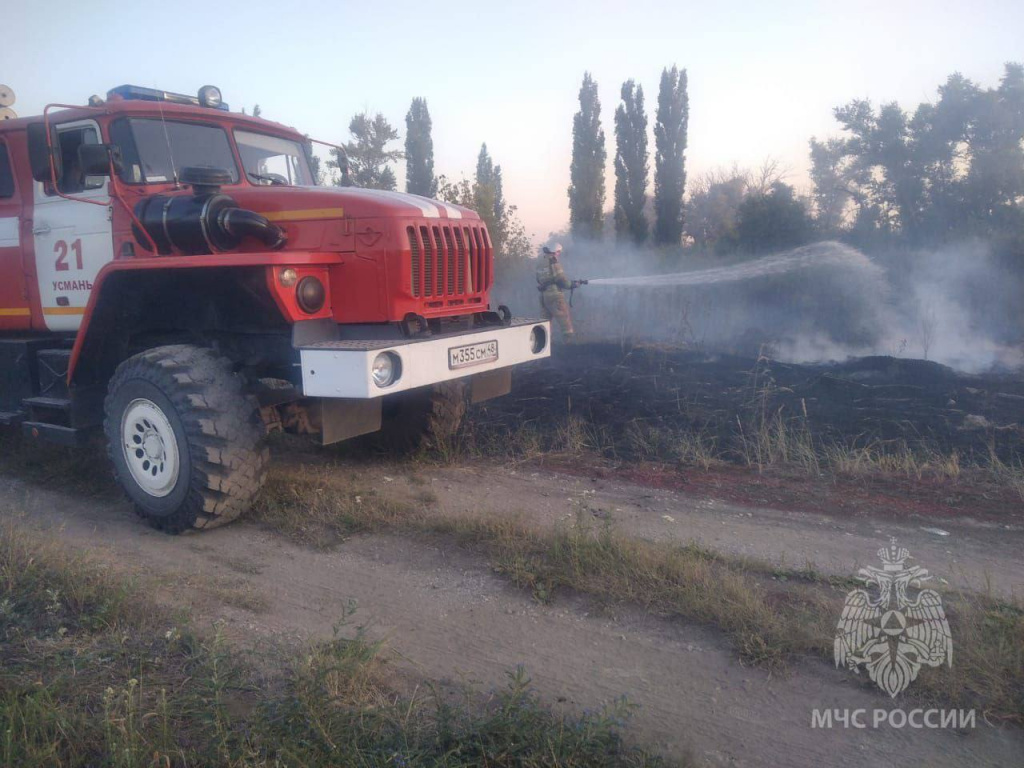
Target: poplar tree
[(631, 166), (489, 197), (669, 159), (419, 151), (586, 173)]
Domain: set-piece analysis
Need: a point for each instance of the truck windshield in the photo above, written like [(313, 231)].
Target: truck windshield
[(155, 151), (273, 160)]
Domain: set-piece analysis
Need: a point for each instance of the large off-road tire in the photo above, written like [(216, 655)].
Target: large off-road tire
[(422, 418), (185, 440)]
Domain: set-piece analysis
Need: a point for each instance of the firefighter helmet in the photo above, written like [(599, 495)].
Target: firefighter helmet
[(553, 251)]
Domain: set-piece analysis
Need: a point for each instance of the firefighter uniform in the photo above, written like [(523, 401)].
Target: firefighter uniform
[(551, 281)]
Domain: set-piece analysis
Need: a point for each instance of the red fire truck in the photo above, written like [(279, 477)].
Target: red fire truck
[(171, 274)]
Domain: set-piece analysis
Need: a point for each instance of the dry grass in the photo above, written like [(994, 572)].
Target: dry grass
[(762, 441), (772, 440), (1010, 475), (318, 506), (92, 674), (648, 441), (668, 580)]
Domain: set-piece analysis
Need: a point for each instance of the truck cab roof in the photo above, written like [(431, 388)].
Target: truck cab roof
[(117, 107)]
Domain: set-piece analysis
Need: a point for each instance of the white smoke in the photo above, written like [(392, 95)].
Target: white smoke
[(825, 301)]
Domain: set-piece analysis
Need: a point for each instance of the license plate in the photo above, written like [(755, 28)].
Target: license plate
[(472, 354)]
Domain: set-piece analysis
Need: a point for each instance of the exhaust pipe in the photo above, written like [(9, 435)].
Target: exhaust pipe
[(241, 223)]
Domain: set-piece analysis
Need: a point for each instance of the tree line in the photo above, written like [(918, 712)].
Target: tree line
[(951, 169)]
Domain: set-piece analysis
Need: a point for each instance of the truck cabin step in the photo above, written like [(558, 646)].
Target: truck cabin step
[(50, 403), (55, 433), (11, 418), (48, 410), (84, 408)]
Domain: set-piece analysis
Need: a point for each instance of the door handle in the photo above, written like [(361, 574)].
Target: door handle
[(42, 229)]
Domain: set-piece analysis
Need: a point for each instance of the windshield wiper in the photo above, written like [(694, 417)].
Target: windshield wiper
[(274, 179)]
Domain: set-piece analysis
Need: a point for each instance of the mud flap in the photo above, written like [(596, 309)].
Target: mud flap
[(491, 384), (342, 418)]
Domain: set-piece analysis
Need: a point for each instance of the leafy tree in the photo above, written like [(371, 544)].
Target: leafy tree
[(953, 168), (994, 184), (631, 167), (586, 173), (419, 151), (670, 129), (884, 162), (828, 175), (714, 204), (772, 221), (316, 165), (368, 155), (458, 192)]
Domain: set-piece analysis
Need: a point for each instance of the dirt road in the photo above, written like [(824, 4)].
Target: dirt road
[(448, 617), (962, 553)]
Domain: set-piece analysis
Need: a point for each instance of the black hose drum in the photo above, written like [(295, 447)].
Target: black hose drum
[(205, 222)]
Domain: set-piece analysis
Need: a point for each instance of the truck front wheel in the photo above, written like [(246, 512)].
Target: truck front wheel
[(422, 418), (185, 440)]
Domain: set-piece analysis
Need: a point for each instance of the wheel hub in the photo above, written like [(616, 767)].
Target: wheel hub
[(150, 447), (153, 446)]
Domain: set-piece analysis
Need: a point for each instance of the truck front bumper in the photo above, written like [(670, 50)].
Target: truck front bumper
[(344, 369)]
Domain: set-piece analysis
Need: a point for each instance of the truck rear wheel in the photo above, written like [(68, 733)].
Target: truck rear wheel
[(185, 440), (422, 418)]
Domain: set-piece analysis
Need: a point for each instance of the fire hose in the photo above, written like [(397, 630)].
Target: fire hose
[(573, 286)]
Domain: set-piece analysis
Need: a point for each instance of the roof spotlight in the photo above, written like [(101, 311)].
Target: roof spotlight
[(209, 96)]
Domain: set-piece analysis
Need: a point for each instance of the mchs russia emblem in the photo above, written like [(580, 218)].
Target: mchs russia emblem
[(888, 630)]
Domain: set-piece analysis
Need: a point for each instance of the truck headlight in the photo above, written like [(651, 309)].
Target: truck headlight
[(386, 369), (310, 295), (538, 339)]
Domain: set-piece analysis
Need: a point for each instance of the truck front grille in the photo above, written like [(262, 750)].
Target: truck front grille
[(447, 260)]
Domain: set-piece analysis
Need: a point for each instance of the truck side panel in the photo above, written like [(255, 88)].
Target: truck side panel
[(15, 312)]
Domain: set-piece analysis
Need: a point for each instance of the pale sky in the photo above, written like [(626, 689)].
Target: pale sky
[(763, 76)]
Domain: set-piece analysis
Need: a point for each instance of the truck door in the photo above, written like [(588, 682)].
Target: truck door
[(73, 239), (14, 307)]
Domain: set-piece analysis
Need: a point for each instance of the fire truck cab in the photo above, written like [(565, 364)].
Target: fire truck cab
[(171, 275)]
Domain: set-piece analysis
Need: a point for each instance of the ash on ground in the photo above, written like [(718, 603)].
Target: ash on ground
[(626, 391)]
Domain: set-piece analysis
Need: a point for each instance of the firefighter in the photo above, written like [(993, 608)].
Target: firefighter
[(551, 281)]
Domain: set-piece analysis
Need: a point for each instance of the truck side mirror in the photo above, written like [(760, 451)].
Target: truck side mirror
[(95, 159), (40, 152)]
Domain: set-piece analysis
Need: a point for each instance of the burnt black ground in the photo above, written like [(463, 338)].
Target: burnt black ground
[(853, 402)]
